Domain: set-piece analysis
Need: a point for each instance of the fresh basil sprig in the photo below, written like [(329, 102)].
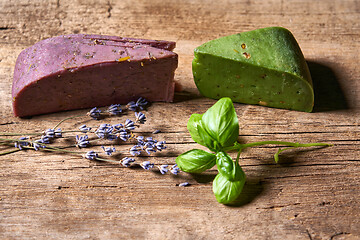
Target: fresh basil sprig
[(218, 130)]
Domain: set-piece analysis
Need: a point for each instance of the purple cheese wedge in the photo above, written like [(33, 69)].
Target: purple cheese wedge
[(82, 71)]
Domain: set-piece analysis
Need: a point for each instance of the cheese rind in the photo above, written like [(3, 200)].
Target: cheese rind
[(264, 67)]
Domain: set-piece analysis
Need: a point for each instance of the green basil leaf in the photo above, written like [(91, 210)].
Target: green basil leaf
[(226, 191), (221, 122), (192, 126), (228, 168), (208, 141), (195, 161)]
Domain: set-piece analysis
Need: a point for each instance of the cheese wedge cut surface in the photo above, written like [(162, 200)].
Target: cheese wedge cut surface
[(264, 67)]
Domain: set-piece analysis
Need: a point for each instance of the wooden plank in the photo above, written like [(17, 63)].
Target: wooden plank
[(311, 194)]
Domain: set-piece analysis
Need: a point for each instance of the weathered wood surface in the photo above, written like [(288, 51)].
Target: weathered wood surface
[(311, 194)]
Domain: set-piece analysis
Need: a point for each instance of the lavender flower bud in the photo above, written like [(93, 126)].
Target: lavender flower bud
[(175, 169), (91, 155), (150, 140), (150, 149), (45, 139), (37, 146), (115, 109), (82, 142), (95, 113), (21, 144), (118, 126), (126, 161), (108, 150), (106, 131), (104, 125), (58, 133), (163, 168), (184, 184), (140, 140), (135, 150), (123, 135), (147, 165), (140, 117), (50, 133), (141, 103), (83, 128), (132, 106), (160, 145), (129, 125)]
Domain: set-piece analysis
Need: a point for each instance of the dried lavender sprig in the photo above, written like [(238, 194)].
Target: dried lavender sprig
[(51, 133), (29, 144), (57, 133)]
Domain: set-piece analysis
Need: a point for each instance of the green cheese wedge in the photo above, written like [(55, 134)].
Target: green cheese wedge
[(263, 66)]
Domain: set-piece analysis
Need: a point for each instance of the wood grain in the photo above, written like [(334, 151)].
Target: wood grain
[(311, 194)]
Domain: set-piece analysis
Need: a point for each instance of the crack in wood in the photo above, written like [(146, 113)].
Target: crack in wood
[(90, 186), (338, 234), (109, 9), (324, 203), (6, 28), (279, 206), (309, 235), (6, 123), (290, 176)]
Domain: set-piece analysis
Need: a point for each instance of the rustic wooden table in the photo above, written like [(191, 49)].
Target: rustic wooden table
[(310, 194)]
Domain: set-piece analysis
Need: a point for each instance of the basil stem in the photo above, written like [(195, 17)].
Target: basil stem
[(239, 147)]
